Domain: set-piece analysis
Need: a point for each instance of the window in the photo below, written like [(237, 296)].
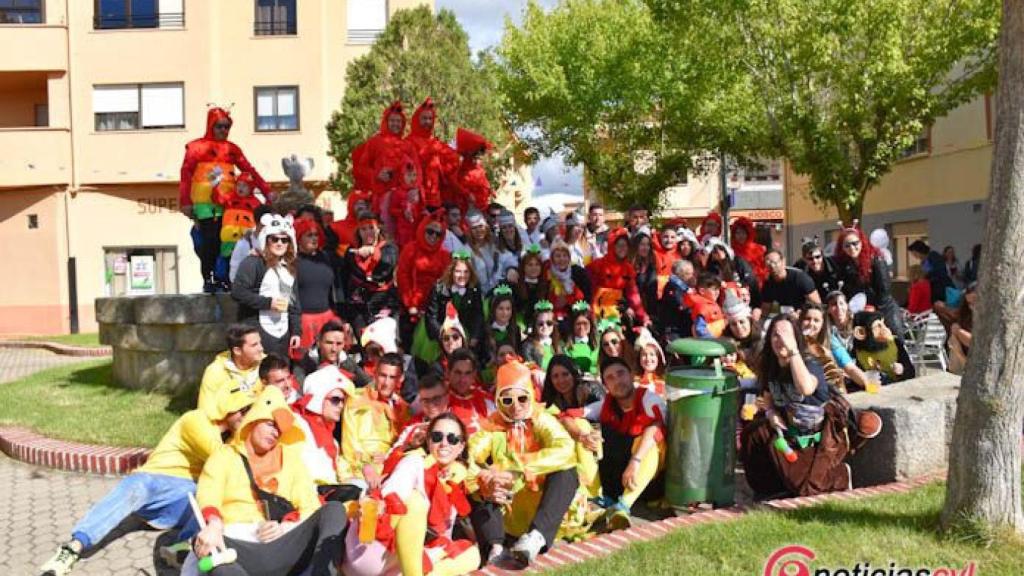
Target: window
[(922, 145), (766, 171), (275, 18), (138, 106), (903, 235), (277, 108), (119, 14), (22, 12), (366, 20)]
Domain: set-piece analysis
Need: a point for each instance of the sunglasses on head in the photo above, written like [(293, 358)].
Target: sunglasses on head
[(335, 400), (509, 400), (278, 240), (453, 439)]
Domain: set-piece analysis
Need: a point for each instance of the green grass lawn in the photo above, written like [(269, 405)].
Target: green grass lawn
[(81, 402), (878, 530), (87, 339)]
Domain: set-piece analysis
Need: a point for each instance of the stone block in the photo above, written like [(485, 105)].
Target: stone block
[(177, 309), (160, 371), (201, 338), (917, 418), (114, 310), (143, 337), (228, 308)]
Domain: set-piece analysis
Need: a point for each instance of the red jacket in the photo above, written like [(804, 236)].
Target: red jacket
[(750, 250), (610, 272), (205, 154), (703, 232), (345, 229), (437, 160), (920, 297), (420, 266), (663, 261)]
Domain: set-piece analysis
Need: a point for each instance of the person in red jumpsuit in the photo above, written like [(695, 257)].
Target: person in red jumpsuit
[(420, 266), (742, 239), (437, 160), (377, 163), (470, 183)]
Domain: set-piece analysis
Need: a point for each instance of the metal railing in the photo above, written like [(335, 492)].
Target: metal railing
[(282, 27), (22, 15), (125, 21)]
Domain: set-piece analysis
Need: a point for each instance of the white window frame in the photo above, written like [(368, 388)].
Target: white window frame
[(277, 91), (134, 113), (361, 28)]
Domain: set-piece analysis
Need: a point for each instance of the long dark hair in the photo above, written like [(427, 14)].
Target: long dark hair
[(551, 397), (463, 456), (769, 369), (515, 338)]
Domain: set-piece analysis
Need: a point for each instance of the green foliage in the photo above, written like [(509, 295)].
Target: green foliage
[(417, 55), (597, 81), (842, 88)]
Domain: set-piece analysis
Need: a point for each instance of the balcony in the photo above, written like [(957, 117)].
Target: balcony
[(49, 48), (34, 157)]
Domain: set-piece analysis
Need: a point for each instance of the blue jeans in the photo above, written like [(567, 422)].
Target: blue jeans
[(160, 500)]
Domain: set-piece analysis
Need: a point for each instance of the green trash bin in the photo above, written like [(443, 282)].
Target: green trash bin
[(702, 399)]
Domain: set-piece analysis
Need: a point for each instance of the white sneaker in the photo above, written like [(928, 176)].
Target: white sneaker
[(61, 562), (529, 545), (497, 550)]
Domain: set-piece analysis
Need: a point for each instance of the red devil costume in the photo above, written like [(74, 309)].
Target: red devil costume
[(385, 150), (470, 181), (749, 250), (436, 159)]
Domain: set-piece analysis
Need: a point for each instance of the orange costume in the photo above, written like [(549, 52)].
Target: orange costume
[(613, 280)]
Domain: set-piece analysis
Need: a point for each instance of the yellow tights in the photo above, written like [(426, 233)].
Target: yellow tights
[(409, 531)]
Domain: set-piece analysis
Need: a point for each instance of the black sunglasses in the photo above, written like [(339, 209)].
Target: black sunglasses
[(278, 240), (336, 400), (453, 439), (509, 400), (433, 232)]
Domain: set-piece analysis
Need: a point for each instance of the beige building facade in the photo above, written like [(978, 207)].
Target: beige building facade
[(99, 97), (937, 192)]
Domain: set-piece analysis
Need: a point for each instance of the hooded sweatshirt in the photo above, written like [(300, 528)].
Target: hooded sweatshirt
[(383, 150), (208, 171), (750, 250), (437, 160), (345, 229), (470, 182), (614, 279), (421, 265), (704, 232), (223, 373)]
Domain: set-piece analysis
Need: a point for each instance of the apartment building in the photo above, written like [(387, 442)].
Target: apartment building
[(937, 192), (99, 97)]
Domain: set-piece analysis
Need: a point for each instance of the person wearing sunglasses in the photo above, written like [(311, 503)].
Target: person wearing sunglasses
[(420, 265), (613, 343), (821, 268), (633, 421), (158, 491), (545, 340), (431, 486), (862, 269), (325, 394), (524, 464), (265, 290)]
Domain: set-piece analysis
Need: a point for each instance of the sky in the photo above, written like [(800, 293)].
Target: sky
[(484, 21)]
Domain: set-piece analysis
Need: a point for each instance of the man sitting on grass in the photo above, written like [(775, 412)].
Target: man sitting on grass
[(158, 491), (236, 367)]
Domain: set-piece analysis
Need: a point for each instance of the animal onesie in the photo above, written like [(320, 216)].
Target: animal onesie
[(383, 150), (437, 160), (469, 186), (613, 281)]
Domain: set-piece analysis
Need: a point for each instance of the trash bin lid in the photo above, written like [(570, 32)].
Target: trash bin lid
[(706, 347)]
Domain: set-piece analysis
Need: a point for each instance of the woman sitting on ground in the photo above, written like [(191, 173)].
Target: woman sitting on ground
[(800, 410), (566, 394), (422, 498), (258, 499)]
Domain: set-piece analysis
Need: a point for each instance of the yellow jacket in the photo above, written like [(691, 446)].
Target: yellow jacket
[(366, 431), (185, 447), (224, 484), (221, 373)]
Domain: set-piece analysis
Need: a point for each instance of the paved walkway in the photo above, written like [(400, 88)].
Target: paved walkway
[(38, 508), (16, 363)]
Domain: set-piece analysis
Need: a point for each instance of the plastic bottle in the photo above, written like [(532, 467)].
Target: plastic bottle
[(782, 446), (218, 558)]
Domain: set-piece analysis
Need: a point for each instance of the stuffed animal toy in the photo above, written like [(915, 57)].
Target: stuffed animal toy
[(877, 348)]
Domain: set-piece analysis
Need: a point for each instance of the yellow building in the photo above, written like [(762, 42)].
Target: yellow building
[(937, 192), (99, 97)]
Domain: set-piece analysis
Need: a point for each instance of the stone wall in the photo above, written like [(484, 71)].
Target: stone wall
[(164, 342), (917, 428)]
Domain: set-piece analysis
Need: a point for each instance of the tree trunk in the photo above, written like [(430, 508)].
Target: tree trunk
[(985, 458)]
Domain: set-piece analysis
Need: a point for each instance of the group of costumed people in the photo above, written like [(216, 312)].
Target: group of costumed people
[(481, 389)]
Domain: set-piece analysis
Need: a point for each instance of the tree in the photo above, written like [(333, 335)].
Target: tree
[(843, 88), (591, 80), (417, 55), (984, 486)]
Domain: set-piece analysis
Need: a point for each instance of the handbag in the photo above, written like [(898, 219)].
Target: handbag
[(274, 507)]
